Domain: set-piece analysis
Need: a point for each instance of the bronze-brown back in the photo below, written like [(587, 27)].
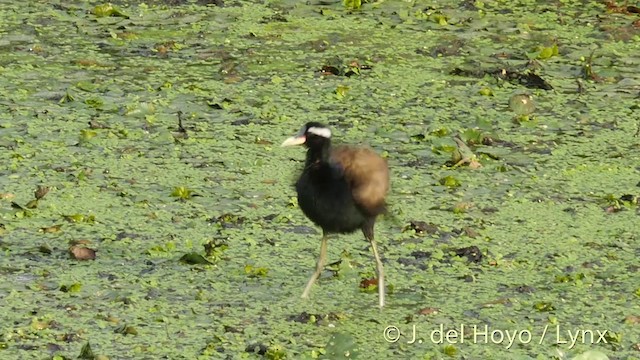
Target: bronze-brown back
[(367, 174)]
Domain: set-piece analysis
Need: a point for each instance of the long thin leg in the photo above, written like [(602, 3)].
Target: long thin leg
[(380, 273), (319, 266), (367, 230)]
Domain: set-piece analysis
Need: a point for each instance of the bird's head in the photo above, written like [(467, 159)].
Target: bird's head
[(312, 135)]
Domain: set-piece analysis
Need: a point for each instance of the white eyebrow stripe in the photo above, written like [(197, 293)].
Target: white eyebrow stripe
[(320, 131)]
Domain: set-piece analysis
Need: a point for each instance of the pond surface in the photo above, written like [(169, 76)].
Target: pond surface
[(528, 251)]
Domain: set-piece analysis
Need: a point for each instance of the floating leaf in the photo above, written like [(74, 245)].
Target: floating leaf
[(275, 352), (421, 227), (261, 141), (7, 196), (214, 248), (94, 102), (463, 154), (548, 52), (40, 324), (462, 207), (78, 218), (472, 253), (591, 355), (629, 199), (32, 204), (82, 253), (544, 306), (86, 135), (341, 346), (67, 97), (341, 91), (565, 278), (106, 10), (86, 352), (485, 91), (41, 191), (428, 311), (227, 221), (79, 242), (51, 229), (450, 350), (94, 124), (76, 287), (168, 247), (613, 337), (22, 211), (84, 174), (450, 181), (74, 218), (522, 104), (352, 4), (126, 330), (632, 319), (182, 193), (194, 259), (17, 206), (369, 285), (439, 19), (255, 271), (260, 349), (89, 63), (45, 249), (498, 301)]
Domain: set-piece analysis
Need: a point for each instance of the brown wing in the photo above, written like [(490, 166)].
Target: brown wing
[(367, 173)]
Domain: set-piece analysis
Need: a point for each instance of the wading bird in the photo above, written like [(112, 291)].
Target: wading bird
[(341, 189)]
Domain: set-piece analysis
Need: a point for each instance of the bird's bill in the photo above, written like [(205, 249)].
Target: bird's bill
[(294, 140)]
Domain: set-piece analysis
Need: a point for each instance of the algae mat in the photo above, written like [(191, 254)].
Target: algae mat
[(147, 210)]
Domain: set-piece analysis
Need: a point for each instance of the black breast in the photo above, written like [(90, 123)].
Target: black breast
[(325, 198)]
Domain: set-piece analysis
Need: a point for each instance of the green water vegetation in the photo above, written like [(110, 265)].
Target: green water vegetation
[(146, 210)]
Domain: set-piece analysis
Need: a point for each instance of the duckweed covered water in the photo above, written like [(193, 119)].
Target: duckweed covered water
[(201, 251)]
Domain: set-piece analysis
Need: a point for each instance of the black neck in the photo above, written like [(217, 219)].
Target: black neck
[(319, 152)]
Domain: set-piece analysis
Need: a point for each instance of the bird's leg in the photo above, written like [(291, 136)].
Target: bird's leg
[(367, 230), (319, 266), (380, 273)]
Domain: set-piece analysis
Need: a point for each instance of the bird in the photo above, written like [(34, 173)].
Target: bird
[(342, 189)]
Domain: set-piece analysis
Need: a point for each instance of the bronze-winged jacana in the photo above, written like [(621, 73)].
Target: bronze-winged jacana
[(341, 189)]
